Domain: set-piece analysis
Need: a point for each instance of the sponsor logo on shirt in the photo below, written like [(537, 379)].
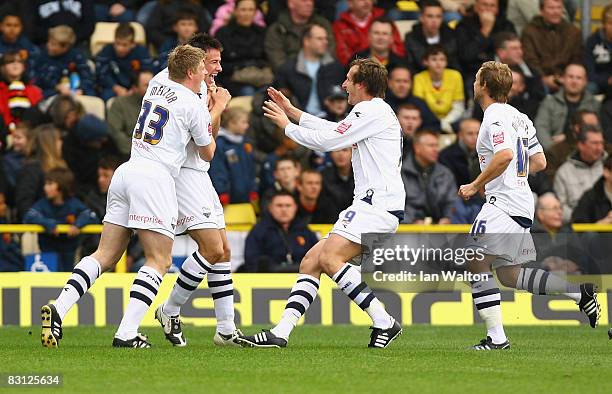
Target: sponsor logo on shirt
[(498, 138), (343, 127)]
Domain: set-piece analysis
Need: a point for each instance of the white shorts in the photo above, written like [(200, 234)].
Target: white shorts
[(499, 235), (142, 196), (198, 203), (361, 218)]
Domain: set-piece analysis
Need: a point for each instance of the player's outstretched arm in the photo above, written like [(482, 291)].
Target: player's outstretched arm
[(498, 165), (537, 162), (285, 104)]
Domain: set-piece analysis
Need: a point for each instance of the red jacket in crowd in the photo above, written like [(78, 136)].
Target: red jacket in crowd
[(23, 96)]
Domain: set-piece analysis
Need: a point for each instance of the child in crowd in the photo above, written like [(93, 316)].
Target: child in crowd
[(440, 87), (185, 26), (60, 207), (14, 157), (118, 62), (12, 39), (11, 259), (232, 169), (61, 68)]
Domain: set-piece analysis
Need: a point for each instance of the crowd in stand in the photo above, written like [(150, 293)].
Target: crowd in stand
[(57, 159)]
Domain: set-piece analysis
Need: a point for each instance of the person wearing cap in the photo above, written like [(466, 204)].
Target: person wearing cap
[(336, 104)]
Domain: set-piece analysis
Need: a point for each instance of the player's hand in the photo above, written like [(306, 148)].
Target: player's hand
[(221, 96), (73, 231), (467, 191), (280, 99), (273, 112)]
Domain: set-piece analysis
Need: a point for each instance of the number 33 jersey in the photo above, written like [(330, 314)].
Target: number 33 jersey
[(171, 115), (504, 127)]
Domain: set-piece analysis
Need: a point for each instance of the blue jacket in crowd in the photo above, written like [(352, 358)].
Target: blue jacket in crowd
[(113, 70), (22, 45), (267, 246), (598, 61), (73, 211), (11, 259), (232, 169), (48, 71)]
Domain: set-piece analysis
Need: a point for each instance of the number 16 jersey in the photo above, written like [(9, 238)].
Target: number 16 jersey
[(504, 127)]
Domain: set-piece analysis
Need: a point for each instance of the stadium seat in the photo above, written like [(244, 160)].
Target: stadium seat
[(446, 140), (104, 33), (93, 105), (239, 214), (109, 103), (404, 27), (244, 102)]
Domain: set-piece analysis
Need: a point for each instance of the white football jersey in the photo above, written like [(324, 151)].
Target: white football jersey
[(374, 133), (171, 116), (193, 161), (504, 127)]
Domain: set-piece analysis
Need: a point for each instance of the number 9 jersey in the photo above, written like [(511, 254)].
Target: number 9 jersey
[(504, 127)]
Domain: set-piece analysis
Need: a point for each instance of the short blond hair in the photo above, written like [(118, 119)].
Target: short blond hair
[(182, 59), (63, 34), (497, 78)]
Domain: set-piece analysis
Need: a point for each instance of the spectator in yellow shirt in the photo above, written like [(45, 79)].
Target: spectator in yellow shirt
[(440, 87)]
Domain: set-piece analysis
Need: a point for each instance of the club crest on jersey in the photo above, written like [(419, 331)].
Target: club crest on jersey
[(209, 129), (498, 137), (343, 127)]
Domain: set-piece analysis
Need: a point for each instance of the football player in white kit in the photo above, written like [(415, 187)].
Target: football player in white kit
[(374, 133), (200, 214), (142, 197), (508, 151)]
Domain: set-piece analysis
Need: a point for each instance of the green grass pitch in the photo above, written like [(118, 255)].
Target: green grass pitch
[(424, 359)]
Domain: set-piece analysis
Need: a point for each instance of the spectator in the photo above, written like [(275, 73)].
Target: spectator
[(13, 39), (441, 88), (244, 59), (307, 76), (461, 157), (279, 241), (85, 141), (43, 15), (124, 110), (430, 187), (595, 206), (14, 158), (44, 152), (559, 153), (338, 180), (159, 30), (551, 43), (336, 104), (606, 119), (455, 9), (598, 56), (60, 207), (475, 35), (285, 177), (553, 120), (17, 93), (430, 31), (115, 10), (380, 41), (399, 92), (225, 12), (284, 38), (411, 121), (117, 63), (351, 30), (313, 206), (184, 27), (11, 259), (521, 12), (509, 50), (232, 169), (581, 170), (61, 68)]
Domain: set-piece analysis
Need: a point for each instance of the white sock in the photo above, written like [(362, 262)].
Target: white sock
[(193, 270), (349, 281), (221, 288), (142, 293), (537, 281), (83, 277), (302, 295), (487, 299)]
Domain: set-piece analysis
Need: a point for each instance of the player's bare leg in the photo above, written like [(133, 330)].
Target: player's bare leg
[(158, 258), (540, 282), (113, 243)]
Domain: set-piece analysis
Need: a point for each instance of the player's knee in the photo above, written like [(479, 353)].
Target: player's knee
[(227, 253), (213, 253), (327, 262)]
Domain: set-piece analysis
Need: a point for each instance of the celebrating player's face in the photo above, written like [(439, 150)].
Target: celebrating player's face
[(477, 89), (349, 85), (213, 65)]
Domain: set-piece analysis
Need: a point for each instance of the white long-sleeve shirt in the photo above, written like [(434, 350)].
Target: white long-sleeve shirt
[(374, 133)]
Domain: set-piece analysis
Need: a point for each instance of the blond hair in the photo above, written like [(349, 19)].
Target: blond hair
[(182, 59), (43, 147), (63, 34), (232, 114), (497, 78)]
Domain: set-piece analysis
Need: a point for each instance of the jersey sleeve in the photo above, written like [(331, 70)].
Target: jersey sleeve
[(200, 126), (534, 145), (312, 122), (360, 124), (499, 132)]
